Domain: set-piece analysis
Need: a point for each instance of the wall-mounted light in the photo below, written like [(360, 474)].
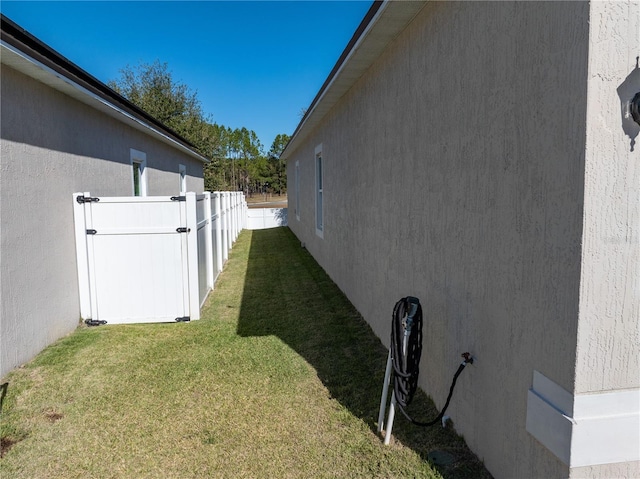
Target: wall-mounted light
[(634, 108), (629, 95)]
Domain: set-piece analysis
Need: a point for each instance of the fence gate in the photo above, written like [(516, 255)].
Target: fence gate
[(137, 258)]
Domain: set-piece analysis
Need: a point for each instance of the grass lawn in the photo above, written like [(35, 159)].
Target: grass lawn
[(280, 379), (261, 200)]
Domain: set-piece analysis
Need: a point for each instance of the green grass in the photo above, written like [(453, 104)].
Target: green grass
[(281, 378)]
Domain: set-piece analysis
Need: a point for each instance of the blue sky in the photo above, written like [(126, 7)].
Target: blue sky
[(253, 64)]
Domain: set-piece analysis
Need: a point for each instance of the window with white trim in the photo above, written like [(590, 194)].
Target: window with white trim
[(319, 192), (139, 176), (183, 178), (297, 190)]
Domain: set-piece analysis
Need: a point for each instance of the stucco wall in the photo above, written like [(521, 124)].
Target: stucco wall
[(608, 347), (53, 146), (610, 290), (454, 172)]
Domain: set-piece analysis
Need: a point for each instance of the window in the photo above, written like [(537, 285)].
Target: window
[(183, 178), (319, 190), (138, 167), (297, 191)]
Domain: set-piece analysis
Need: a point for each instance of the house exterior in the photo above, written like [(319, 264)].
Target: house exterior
[(63, 131), (480, 156)]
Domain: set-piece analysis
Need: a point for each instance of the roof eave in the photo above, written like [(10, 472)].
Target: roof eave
[(381, 25), (27, 54)]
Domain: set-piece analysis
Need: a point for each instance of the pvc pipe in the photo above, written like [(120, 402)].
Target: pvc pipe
[(385, 392), (392, 415), (392, 406)]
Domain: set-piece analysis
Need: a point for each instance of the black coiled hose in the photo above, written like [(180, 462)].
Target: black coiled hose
[(407, 314)]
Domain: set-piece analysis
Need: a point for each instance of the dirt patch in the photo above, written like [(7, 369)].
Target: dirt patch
[(53, 416), (267, 201), (6, 443), (275, 204)]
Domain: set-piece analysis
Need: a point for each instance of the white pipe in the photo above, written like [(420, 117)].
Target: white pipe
[(385, 392), (392, 415), (392, 407)]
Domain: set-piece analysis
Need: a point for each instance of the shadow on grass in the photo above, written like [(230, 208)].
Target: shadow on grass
[(287, 294)]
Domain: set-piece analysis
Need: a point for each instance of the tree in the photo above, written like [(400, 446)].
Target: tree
[(250, 150), (237, 160), (277, 147), (152, 88)]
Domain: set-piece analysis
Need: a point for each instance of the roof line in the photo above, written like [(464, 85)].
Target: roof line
[(17, 37), (384, 21), (371, 13), (364, 24)]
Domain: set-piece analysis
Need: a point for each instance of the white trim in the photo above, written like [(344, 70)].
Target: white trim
[(585, 429), (347, 60), (297, 190), (389, 20), (319, 190), (139, 158)]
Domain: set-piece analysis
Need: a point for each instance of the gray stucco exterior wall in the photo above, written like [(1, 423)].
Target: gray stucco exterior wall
[(53, 146), (465, 168)]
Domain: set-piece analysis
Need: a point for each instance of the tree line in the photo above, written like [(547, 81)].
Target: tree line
[(237, 158)]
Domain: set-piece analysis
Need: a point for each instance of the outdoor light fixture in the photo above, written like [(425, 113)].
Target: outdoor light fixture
[(634, 108), (629, 95)]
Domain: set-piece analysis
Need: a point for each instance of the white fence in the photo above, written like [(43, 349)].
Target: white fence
[(262, 218), (152, 259), (221, 216)]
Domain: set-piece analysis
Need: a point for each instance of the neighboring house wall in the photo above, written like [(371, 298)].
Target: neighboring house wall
[(454, 170), (52, 146)]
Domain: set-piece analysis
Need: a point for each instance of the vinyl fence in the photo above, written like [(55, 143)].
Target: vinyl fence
[(152, 259), (221, 216), (262, 218)]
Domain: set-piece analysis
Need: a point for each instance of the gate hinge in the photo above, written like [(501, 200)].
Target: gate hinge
[(183, 230), (91, 232), (178, 198), (86, 199), (184, 319), (94, 322)]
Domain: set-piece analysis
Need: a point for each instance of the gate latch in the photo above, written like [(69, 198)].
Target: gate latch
[(183, 230), (86, 199)]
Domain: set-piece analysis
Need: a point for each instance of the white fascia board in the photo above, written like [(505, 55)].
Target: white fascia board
[(585, 429), (31, 67), (346, 65), (388, 22)]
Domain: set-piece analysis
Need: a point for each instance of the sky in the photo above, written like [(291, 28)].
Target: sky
[(253, 64)]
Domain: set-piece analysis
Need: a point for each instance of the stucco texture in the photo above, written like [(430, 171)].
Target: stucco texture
[(53, 146), (609, 332), (454, 171)]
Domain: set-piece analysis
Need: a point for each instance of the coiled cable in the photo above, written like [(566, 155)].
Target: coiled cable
[(407, 318)]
